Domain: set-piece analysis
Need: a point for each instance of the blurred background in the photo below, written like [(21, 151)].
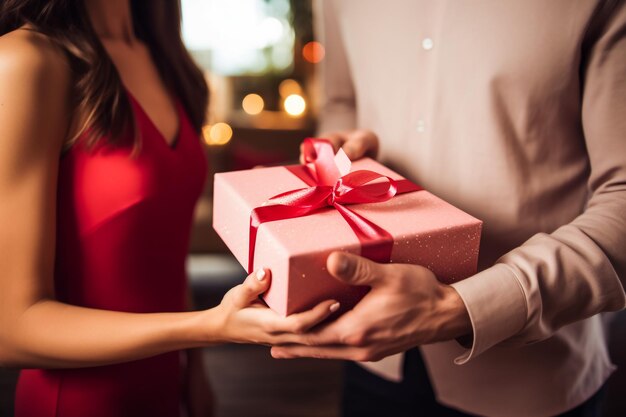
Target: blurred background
[(260, 59)]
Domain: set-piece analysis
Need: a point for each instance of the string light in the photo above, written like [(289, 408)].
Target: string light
[(253, 104)]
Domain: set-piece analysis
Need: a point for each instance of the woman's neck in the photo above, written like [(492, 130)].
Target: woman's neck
[(112, 20)]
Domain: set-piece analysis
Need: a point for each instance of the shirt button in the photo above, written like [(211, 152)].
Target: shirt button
[(427, 44), (421, 126)]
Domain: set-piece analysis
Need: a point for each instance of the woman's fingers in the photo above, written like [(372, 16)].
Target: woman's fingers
[(301, 322), (264, 325), (256, 284)]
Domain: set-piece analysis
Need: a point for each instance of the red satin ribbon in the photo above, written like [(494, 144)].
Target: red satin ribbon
[(327, 188)]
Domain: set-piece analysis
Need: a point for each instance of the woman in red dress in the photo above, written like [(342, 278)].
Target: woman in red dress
[(100, 168)]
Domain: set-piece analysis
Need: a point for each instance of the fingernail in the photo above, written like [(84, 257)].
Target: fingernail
[(334, 307), (260, 274)]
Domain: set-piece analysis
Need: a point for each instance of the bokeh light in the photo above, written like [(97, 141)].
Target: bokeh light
[(295, 105), (206, 134), (271, 32), (253, 104), (241, 37), (313, 52), (288, 87), (217, 134)]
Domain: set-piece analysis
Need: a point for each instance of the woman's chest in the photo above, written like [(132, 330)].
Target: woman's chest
[(97, 185)]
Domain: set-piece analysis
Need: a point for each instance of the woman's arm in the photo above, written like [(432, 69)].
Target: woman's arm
[(35, 329)]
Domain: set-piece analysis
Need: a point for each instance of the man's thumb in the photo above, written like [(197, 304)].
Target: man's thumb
[(353, 269)]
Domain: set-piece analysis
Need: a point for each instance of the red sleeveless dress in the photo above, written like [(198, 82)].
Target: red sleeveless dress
[(123, 226)]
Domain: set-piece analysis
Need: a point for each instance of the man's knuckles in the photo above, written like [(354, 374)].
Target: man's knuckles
[(357, 338)]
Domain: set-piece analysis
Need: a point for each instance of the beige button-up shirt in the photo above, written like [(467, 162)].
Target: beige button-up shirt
[(514, 111)]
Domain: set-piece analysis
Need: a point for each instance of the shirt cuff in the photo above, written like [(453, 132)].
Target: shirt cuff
[(496, 304)]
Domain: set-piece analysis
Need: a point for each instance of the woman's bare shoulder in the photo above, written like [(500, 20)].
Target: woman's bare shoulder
[(35, 92), (27, 55)]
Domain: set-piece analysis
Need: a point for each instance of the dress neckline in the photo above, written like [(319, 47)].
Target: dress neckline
[(173, 145)]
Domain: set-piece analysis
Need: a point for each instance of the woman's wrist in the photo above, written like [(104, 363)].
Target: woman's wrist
[(205, 328)]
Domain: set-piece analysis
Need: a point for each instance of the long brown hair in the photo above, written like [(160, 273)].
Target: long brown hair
[(99, 95)]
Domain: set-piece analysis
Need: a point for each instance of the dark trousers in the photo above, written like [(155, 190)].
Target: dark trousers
[(367, 395)]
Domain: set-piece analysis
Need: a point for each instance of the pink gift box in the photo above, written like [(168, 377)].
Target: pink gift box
[(426, 230)]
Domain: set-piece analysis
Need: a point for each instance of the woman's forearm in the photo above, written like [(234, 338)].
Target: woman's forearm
[(50, 334)]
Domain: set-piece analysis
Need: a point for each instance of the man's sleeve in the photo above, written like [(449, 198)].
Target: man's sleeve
[(578, 270), (338, 107)]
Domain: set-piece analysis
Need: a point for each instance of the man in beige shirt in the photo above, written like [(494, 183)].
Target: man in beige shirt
[(514, 111)]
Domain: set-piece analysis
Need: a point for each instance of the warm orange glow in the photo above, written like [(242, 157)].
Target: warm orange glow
[(217, 134), (288, 87), (253, 104), (295, 105), (206, 134), (313, 52)]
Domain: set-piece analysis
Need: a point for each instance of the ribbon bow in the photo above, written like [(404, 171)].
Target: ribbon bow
[(331, 184)]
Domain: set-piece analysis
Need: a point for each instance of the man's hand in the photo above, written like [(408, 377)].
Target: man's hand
[(406, 307), (355, 143)]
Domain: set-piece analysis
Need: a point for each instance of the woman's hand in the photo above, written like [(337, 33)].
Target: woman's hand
[(242, 318), (355, 143)]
